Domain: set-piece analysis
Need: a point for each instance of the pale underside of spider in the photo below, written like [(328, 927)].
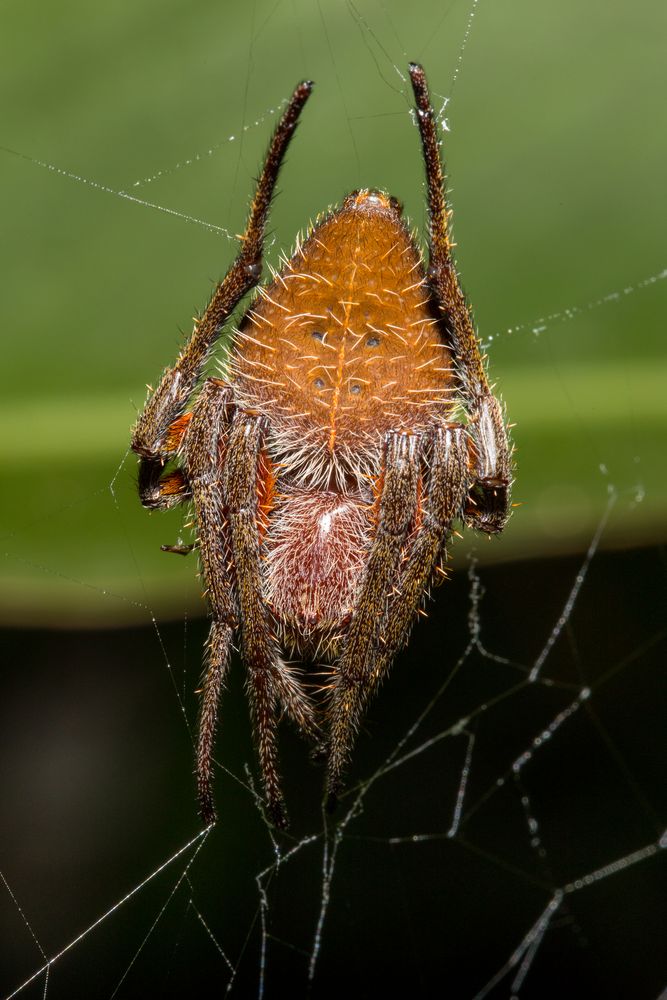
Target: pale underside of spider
[(352, 425)]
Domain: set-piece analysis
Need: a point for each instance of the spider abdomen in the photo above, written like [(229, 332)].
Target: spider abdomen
[(345, 345), (315, 552)]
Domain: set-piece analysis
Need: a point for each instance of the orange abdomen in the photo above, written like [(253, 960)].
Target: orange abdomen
[(343, 346)]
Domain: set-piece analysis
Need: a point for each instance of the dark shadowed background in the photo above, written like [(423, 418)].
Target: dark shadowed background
[(130, 132)]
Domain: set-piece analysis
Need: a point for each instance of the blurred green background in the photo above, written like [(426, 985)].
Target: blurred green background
[(556, 161), (556, 156)]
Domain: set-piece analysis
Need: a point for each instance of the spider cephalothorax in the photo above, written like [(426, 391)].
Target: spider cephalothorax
[(353, 423)]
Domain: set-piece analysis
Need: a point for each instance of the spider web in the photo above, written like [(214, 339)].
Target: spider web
[(503, 829)]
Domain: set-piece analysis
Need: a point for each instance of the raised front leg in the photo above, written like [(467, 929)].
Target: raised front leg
[(488, 506), (150, 437)]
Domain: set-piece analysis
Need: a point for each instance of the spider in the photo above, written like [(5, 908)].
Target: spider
[(353, 424)]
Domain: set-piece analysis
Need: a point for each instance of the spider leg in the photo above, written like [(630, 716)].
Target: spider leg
[(167, 403), (356, 667), (202, 455), (219, 646), (489, 502), (271, 682), (447, 489), (180, 549)]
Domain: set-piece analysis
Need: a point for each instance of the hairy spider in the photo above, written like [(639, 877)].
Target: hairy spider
[(327, 465)]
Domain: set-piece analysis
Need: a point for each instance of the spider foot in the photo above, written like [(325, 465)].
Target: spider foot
[(180, 549), (334, 786), (277, 814), (207, 812), (331, 801)]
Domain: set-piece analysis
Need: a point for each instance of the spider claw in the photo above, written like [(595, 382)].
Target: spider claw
[(179, 549), (207, 809), (277, 814), (331, 803)]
